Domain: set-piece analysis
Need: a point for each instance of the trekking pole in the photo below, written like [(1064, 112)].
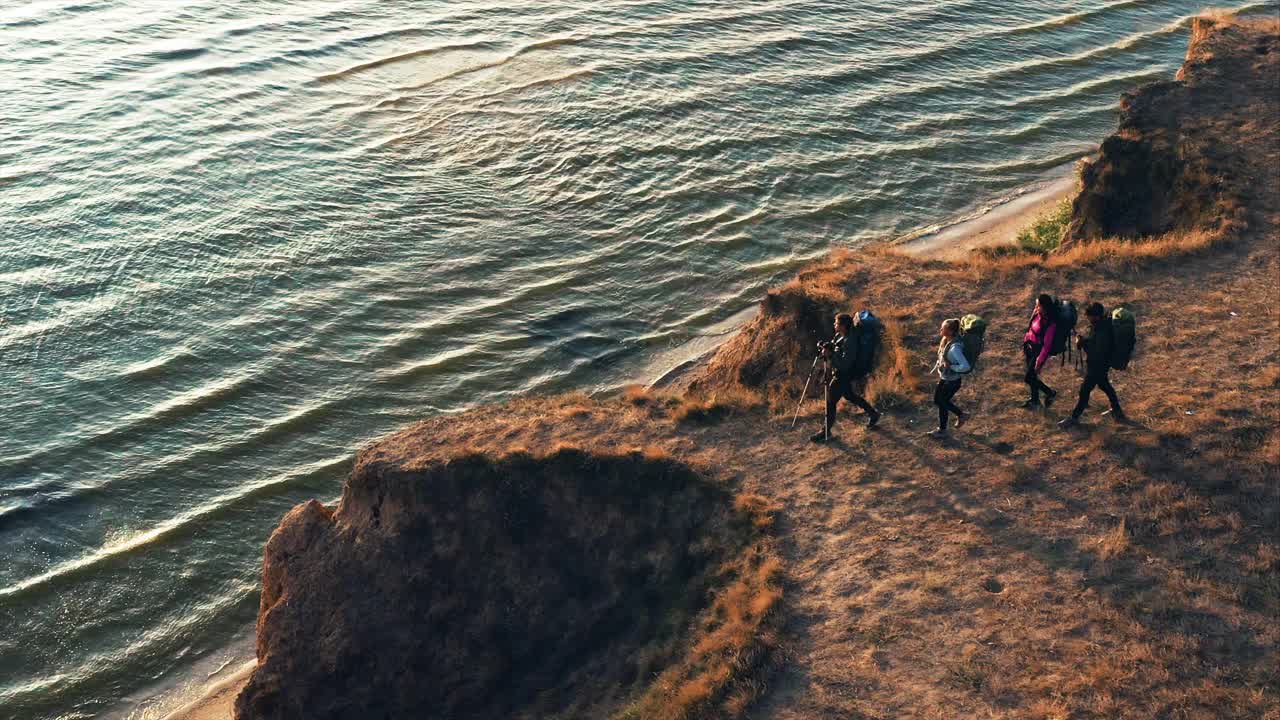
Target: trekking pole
[(826, 396), (805, 392)]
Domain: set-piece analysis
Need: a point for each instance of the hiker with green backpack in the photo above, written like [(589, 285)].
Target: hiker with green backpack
[(1047, 334), (1108, 345), (952, 366)]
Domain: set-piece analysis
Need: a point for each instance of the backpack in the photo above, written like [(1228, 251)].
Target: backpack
[(1124, 327), (1067, 317), (973, 330), (869, 329)]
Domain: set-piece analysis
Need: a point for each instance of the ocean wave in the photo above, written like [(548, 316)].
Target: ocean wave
[(141, 369), (1086, 87), (164, 634), (172, 526), (1126, 43), (1049, 122), (401, 57), (165, 412), (503, 60), (822, 81), (537, 83), (188, 53), (36, 498), (468, 316), (778, 263), (414, 370), (717, 306), (1024, 165), (1072, 18)]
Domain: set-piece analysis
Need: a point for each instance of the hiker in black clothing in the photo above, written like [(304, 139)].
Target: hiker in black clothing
[(842, 355), (1098, 347)]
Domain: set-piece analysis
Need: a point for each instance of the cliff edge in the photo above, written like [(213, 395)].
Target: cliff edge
[(474, 586), (1175, 162)]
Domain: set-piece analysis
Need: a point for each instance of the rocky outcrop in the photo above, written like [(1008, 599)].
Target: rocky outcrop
[(469, 586), (1170, 165), (775, 353)]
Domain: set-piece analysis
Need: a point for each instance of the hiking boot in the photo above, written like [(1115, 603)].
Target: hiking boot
[(1117, 416), (873, 419), (937, 433), (820, 437), (960, 419), (1068, 422), (1031, 405)]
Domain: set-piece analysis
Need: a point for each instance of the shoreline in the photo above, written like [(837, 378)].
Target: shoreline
[(997, 226), (952, 241), (219, 699)]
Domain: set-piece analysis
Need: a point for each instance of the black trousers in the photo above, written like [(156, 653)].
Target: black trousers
[(843, 388), (942, 396), (1030, 353), (1095, 380)]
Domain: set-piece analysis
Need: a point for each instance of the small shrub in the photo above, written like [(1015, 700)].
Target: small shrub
[(1045, 233), (637, 395), (717, 405), (760, 509), (1113, 543)]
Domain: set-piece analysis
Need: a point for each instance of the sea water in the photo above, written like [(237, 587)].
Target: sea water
[(240, 239)]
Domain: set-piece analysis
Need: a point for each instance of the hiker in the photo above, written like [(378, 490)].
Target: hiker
[(842, 354), (1036, 346), (951, 366), (1099, 348)]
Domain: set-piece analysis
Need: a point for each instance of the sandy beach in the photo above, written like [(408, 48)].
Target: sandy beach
[(218, 702), (999, 226)]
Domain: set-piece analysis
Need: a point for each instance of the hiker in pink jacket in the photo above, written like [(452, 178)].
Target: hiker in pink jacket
[(1036, 345)]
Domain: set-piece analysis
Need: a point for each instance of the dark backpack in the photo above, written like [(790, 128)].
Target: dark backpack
[(973, 331), (1124, 329), (867, 332), (1067, 317)]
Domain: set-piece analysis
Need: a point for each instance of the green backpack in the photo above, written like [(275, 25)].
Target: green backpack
[(972, 331), (1124, 328)]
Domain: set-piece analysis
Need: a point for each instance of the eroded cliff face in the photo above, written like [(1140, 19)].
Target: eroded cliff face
[(481, 587), (1170, 166)]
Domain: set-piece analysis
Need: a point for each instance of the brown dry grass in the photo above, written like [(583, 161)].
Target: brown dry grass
[(1126, 253), (639, 395), (716, 405), (650, 504), (896, 378), (1016, 570), (719, 678)]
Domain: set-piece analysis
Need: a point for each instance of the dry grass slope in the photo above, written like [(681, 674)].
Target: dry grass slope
[(1161, 534), (518, 584)]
